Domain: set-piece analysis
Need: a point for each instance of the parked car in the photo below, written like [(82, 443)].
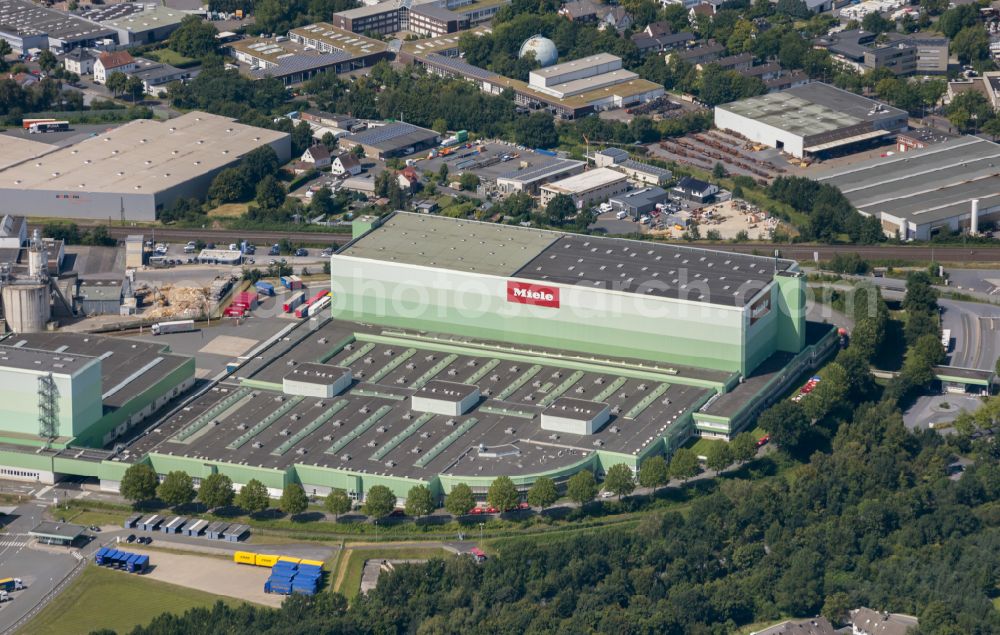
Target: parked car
[(301, 252), (130, 539), (761, 442), (94, 528), (275, 250)]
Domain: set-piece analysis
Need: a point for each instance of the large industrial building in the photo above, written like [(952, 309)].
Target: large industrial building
[(949, 186), (810, 119), (456, 352), (26, 25), (133, 171), (587, 188)]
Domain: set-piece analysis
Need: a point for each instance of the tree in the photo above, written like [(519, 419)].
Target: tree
[(829, 393), (443, 173), (259, 163), (653, 472), (684, 464), (954, 20), (47, 60), (992, 128), (468, 181), (537, 130), (743, 447), (971, 44), (379, 501), (216, 491), (228, 186), (293, 499), (619, 480), (559, 208), (502, 494), (253, 497), (874, 22), (5, 50), (337, 502), (786, 422), (139, 483), (322, 202), (542, 493), (302, 138), (134, 87), (115, 82), (921, 297), (270, 193), (718, 170), (582, 487), (194, 37), (176, 489), (419, 501), (793, 8), (718, 457), (460, 500)]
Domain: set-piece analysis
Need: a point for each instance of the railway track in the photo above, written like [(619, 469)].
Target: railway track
[(951, 253)]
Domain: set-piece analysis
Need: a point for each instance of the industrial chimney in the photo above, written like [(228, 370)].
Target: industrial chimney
[(974, 221)]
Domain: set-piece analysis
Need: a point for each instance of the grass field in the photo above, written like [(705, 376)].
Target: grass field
[(229, 210), (102, 598), (170, 56), (347, 580)]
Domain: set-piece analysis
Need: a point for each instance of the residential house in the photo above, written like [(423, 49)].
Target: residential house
[(649, 44), (579, 11), (812, 626), (24, 80), (345, 163), (318, 156), (408, 177), (740, 62), (865, 621), (701, 9), (155, 76), (695, 190), (115, 62), (699, 54), (615, 18), (79, 61)]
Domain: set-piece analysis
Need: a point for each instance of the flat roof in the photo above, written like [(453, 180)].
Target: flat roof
[(644, 196), (150, 16), (367, 10), (28, 18), (374, 431), (41, 361), (661, 270), (446, 390), (571, 408), (585, 181), (340, 39), (142, 156), (591, 83), (391, 136), (311, 372), (924, 185), (572, 65), (14, 150), (534, 173), (128, 367), (435, 12), (812, 109), (65, 531), (442, 42), (437, 241), (649, 268)]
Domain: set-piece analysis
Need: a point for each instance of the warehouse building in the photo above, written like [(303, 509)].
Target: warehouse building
[(26, 25), (587, 188), (638, 203), (391, 140), (637, 172), (306, 52), (949, 186), (137, 23), (135, 170), (811, 119), (530, 178)]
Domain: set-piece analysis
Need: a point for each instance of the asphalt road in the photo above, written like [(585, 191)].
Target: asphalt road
[(975, 333)]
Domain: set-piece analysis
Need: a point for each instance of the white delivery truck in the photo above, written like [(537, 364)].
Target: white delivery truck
[(177, 326)]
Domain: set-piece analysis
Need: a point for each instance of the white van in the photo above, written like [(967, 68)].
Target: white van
[(605, 208), (622, 215)]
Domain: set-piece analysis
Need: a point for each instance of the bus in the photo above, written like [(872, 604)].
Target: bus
[(48, 126), (27, 123)]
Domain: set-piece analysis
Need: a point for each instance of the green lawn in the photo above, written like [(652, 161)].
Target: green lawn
[(170, 56), (103, 598)]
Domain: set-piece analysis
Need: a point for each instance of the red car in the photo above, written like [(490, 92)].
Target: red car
[(523, 506), (477, 510), (492, 510), (761, 442)]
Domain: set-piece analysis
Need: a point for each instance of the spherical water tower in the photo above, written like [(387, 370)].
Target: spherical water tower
[(544, 49)]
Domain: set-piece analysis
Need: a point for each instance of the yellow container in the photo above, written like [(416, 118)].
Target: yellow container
[(289, 559), (317, 563), (266, 560), (244, 557)]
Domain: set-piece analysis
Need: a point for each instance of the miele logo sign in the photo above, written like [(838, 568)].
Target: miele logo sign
[(537, 295)]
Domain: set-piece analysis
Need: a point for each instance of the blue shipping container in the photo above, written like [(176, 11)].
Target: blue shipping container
[(264, 287), (141, 563)]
